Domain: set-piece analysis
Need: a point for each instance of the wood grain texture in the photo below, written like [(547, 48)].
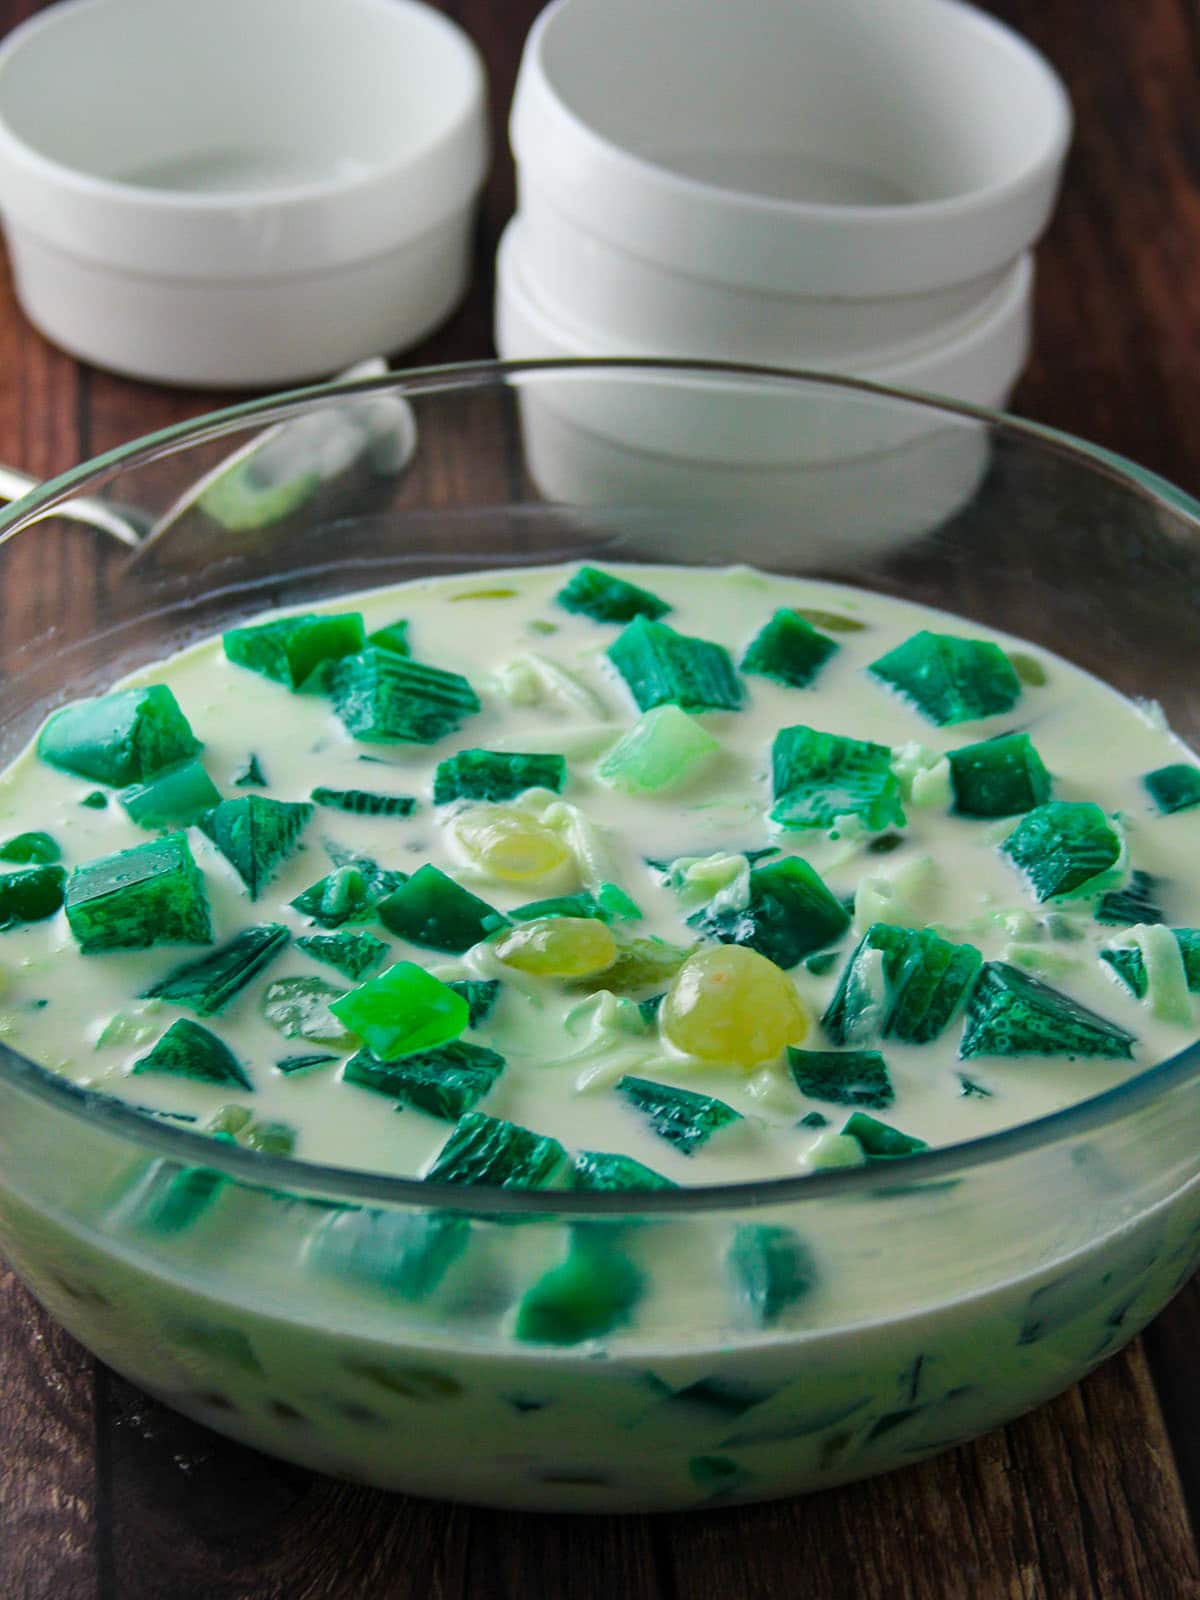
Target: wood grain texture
[(105, 1495)]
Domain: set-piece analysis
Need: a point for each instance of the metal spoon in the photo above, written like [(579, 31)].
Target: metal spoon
[(269, 476)]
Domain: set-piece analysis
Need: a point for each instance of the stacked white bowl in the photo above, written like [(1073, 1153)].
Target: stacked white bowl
[(847, 185)]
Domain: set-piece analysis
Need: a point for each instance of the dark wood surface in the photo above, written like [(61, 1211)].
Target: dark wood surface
[(104, 1495)]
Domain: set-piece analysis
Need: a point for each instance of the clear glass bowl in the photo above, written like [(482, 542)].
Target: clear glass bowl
[(359, 1324)]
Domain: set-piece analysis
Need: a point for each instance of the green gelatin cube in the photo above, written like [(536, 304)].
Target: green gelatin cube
[(209, 984), (615, 905), (685, 1119), (174, 799), (588, 1295), (377, 880), (302, 1063), (170, 1198), (496, 775), (403, 1010), (842, 1077), (1128, 962), (950, 679), (1060, 848), (30, 895), (480, 994), (31, 849), (250, 775), (446, 1082), (880, 1141), (771, 1268), (905, 982), (342, 896), (434, 911), (664, 750), (1137, 902), (1013, 1014), (255, 834), (364, 802), (353, 954), (97, 800), (716, 1476), (1175, 787), (188, 1050), (662, 667), (292, 649), (121, 738), (385, 698), (818, 777), (488, 1150), (600, 1169), (998, 777), (790, 914), (150, 894), (392, 636), (408, 1253), (605, 598), (298, 1008), (789, 650)]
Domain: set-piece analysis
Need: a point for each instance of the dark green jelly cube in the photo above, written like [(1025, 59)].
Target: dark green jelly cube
[(662, 667), (384, 698), (408, 1253), (925, 978), (209, 984), (606, 598), (771, 1268), (1175, 787), (480, 994), (488, 1150), (121, 738), (188, 1050), (1129, 964), (392, 636), (255, 833), (842, 1077), (173, 799), (434, 911), (148, 895), (948, 678), (30, 895), (293, 649), (364, 802), (680, 1116), (790, 914), (789, 650), (250, 774), (1136, 902), (446, 1082), (31, 849), (879, 1140), (818, 777), (1062, 846), (588, 1295), (1013, 1014), (353, 954), (599, 1169), (998, 777), (342, 896), (496, 775)]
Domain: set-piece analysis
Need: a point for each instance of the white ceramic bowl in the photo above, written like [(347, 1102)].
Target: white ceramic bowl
[(796, 180), (978, 362), (239, 191)]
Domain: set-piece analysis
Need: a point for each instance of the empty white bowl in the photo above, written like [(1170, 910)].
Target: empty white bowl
[(239, 191), (794, 180)]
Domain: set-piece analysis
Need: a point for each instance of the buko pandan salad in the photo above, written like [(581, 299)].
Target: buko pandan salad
[(621, 880)]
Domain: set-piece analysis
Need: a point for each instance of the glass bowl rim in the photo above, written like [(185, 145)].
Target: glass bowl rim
[(360, 1186)]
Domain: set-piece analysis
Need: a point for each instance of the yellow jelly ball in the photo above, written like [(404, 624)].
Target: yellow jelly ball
[(731, 1005), (559, 947), (510, 844)]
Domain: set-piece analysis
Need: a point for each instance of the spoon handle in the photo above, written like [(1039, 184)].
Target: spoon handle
[(94, 513)]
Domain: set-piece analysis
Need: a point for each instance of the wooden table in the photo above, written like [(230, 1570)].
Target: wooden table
[(104, 1495)]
